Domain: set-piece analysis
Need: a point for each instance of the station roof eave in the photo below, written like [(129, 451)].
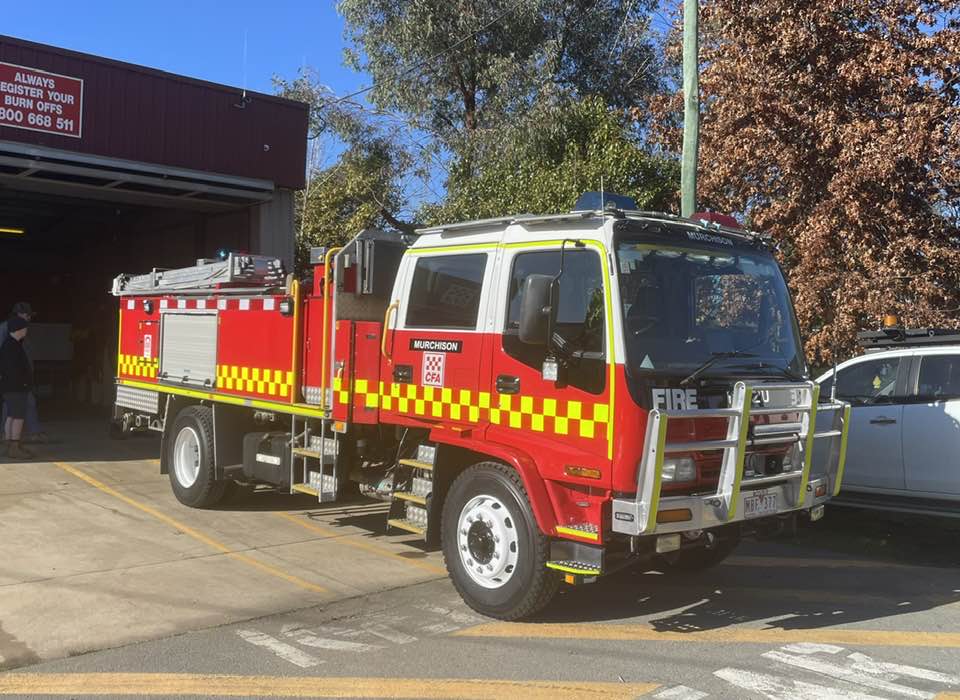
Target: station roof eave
[(41, 169)]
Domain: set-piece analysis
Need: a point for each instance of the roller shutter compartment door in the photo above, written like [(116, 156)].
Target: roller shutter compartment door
[(188, 349)]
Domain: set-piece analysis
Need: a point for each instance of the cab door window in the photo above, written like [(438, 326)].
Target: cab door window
[(866, 383), (580, 317), (939, 378), (445, 291)]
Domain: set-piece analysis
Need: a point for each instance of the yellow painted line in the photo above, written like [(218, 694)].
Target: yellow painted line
[(740, 635), (813, 595), (365, 546), (187, 530), (948, 696), (139, 684)]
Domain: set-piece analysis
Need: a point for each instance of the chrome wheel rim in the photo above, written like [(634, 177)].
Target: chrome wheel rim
[(487, 541), (186, 457)]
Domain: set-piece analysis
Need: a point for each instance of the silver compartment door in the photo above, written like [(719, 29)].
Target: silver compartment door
[(188, 349)]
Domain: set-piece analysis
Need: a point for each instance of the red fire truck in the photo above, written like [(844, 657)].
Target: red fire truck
[(547, 398)]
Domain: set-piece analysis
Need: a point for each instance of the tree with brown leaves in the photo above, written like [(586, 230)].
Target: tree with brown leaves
[(835, 126)]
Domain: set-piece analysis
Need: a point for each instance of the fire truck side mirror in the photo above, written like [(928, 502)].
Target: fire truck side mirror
[(535, 309)]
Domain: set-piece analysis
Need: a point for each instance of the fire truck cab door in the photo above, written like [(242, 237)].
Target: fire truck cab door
[(436, 366), (562, 423)]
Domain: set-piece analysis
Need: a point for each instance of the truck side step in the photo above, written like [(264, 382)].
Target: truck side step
[(314, 454), (406, 525), (313, 462), (410, 503), (304, 488), (413, 498), (574, 567), (575, 572), (587, 531)]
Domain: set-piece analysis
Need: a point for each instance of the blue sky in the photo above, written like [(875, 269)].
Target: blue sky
[(201, 38)]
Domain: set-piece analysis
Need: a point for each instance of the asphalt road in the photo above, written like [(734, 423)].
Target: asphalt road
[(858, 606)]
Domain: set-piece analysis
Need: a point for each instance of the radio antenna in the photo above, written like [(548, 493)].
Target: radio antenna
[(245, 31), (242, 104)]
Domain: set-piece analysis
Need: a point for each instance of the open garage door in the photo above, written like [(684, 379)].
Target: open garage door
[(70, 223)]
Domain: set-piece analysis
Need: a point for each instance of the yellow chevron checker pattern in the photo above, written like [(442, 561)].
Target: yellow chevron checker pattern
[(254, 380), (137, 366), (543, 415)]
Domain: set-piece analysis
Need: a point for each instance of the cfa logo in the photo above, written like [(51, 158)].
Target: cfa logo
[(675, 399)]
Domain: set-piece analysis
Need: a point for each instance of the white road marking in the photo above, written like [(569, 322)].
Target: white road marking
[(282, 649), (390, 634), (680, 692), (812, 648), (455, 615), (846, 674), (441, 628), (862, 662), (307, 638), (776, 688)]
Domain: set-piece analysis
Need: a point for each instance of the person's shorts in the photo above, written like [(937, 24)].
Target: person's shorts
[(16, 403)]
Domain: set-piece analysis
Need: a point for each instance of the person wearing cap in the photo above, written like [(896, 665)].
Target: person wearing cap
[(16, 382), (21, 309), (33, 432)]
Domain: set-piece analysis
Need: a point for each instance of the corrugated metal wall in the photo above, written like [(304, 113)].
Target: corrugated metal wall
[(146, 115)]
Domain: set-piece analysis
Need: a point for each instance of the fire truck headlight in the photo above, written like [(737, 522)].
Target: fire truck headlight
[(793, 459), (286, 307), (679, 469)]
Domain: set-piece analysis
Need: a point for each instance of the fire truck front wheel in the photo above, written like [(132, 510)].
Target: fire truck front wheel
[(494, 551), (190, 458)]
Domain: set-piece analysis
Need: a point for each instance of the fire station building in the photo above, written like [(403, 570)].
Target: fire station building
[(108, 167)]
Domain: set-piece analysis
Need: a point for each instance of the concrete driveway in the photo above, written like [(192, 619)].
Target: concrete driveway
[(97, 553)]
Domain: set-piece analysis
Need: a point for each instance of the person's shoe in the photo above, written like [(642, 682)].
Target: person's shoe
[(15, 451), (37, 439)]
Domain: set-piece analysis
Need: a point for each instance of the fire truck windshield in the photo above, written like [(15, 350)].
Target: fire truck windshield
[(685, 305)]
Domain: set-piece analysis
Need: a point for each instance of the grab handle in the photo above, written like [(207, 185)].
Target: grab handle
[(386, 326)]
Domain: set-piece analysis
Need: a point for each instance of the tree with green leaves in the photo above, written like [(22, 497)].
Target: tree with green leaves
[(545, 162), (463, 69), (355, 169)]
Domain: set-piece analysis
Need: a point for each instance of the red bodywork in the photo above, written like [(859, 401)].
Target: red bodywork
[(552, 437)]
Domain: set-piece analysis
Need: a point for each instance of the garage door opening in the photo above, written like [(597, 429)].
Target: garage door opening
[(109, 168), (61, 253)]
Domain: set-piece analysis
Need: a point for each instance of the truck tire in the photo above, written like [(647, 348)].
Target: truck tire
[(495, 553), (700, 558), (190, 458)]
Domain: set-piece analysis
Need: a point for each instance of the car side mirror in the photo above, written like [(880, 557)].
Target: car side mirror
[(535, 309)]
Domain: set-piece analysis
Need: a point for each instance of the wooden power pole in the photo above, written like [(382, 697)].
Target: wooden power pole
[(691, 110)]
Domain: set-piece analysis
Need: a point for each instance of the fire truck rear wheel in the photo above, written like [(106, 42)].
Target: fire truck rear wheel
[(494, 551), (190, 458)]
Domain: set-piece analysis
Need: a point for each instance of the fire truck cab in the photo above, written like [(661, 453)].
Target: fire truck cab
[(547, 398)]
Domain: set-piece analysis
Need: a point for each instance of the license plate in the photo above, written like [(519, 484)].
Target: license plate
[(759, 503)]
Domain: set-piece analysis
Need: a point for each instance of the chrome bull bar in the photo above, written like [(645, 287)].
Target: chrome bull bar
[(638, 516)]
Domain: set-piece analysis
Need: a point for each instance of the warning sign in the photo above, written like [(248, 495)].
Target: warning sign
[(433, 368), (40, 101)]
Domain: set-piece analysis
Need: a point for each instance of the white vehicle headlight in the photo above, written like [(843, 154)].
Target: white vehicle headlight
[(793, 459), (679, 469)]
